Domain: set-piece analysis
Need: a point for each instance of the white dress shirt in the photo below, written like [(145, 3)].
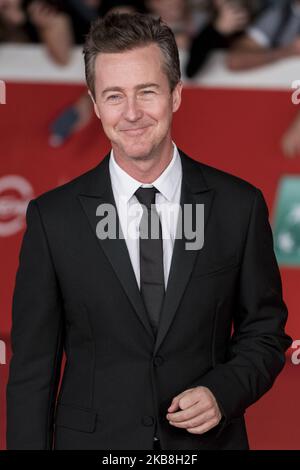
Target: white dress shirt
[(130, 211)]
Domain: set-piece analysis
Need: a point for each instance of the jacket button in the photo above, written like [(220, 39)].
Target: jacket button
[(158, 361), (148, 420)]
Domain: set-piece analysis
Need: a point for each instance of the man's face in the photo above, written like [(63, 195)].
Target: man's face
[(134, 101)]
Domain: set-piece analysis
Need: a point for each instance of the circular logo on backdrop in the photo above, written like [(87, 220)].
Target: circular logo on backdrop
[(15, 194)]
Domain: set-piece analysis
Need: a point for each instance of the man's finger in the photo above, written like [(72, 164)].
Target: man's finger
[(196, 421), (175, 402), (204, 427), (188, 413)]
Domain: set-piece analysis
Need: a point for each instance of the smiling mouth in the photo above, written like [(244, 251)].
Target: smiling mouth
[(136, 131)]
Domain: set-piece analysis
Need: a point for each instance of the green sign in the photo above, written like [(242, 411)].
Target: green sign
[(287, 222)]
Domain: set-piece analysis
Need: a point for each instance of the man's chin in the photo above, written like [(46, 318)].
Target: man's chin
[(137, 152)]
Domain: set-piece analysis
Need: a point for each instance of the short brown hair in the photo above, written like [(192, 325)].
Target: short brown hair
[(122, 32)]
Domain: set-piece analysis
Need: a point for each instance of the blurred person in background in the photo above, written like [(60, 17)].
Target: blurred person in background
[(273, 36), (38, 21), (178, 15), (224, 22), (81, 13)]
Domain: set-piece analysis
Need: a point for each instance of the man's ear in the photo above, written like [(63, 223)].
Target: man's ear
[(176, 96), (94, 104)]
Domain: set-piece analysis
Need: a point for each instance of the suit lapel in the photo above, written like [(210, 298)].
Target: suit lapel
[(115, 249), (194, 191)]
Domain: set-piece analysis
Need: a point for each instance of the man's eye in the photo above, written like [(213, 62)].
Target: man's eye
[(147, 92), (114, 97)]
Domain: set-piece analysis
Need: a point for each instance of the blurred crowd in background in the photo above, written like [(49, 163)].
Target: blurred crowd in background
[(254, 33)]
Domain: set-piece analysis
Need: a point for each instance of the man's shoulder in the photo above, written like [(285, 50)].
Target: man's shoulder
[(231, 194), (221, 178), (63, 194), (224, 182)]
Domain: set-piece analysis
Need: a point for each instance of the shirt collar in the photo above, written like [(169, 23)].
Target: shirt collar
[(166, 183)]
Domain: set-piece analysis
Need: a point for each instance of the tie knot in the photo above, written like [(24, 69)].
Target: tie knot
[(146, 196)]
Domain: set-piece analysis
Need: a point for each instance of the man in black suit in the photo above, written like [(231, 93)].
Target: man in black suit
[(167, 341)]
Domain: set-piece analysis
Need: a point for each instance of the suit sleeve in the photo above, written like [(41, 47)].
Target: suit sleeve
[(258, 344), (36, 339)]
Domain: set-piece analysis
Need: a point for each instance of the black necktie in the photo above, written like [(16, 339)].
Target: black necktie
[(151, 256)]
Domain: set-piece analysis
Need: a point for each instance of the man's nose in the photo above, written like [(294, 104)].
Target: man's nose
[(132, 111)]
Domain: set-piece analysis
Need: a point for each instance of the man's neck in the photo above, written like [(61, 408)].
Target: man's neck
[(146, 170)]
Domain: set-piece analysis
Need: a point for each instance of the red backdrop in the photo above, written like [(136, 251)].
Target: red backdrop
[(235, 130)]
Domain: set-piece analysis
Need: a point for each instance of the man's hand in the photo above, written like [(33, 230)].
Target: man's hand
[(230, 18), (295, 47), (44, 16), (54, 28), (198, 410)]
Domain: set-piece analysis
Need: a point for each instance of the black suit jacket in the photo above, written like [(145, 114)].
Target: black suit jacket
[(222, 323)]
